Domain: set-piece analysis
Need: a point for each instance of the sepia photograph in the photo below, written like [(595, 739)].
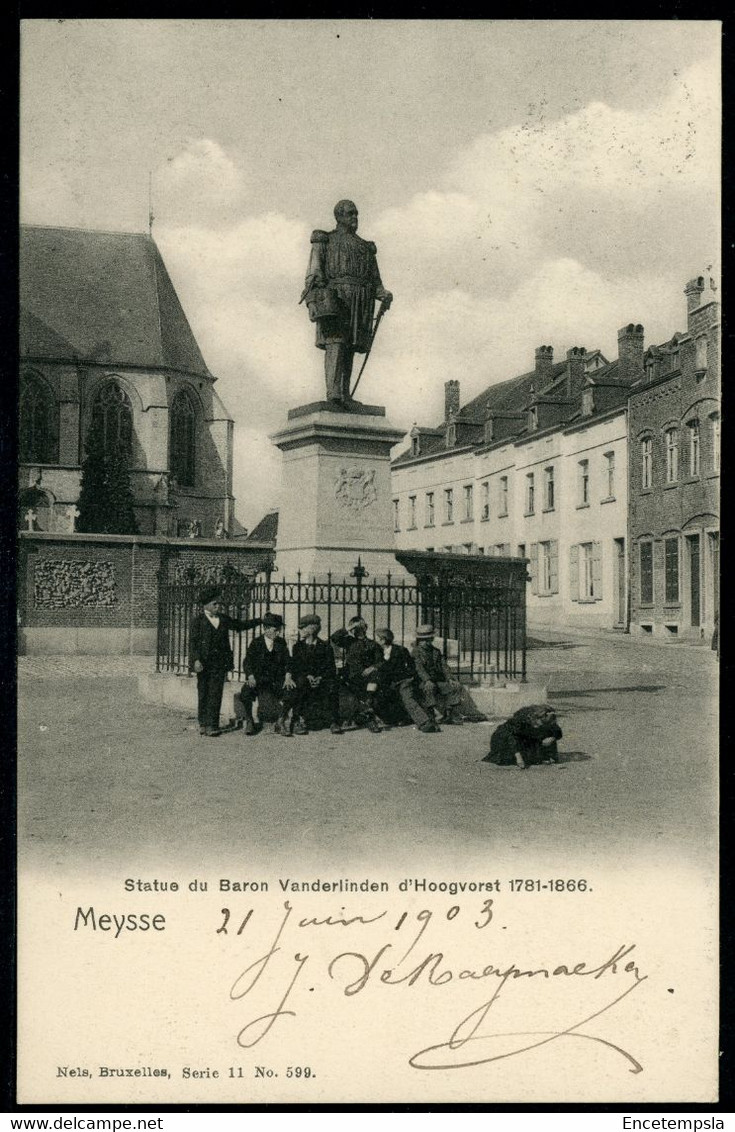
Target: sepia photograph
[(368, 562)]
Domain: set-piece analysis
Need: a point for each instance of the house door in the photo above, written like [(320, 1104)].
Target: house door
[(620, 580), (714, 552), (694, 580)]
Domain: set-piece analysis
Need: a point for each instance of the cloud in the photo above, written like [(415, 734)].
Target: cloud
[(257, 257), (201, 181), (592, 182), (556, 232)]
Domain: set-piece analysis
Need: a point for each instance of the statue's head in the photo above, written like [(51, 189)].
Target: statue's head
[(345, 213)]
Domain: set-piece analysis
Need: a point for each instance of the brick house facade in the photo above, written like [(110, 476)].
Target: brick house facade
[(674, 474)]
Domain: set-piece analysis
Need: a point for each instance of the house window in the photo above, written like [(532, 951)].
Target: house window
[(586, 571), (451, 435), (486, 500), (700, 361), (646, 564), (610, 474), (671, 437), (38, 435), (521, 550), (650, 365), (503, 504), (468, 503), (583, 474), (549, 489), (448, 505), (396, 524), (411, 512), (545, 566), (675, 358), (430, 509), (693, 448), (715, 419), (530, 494), (183, 440), (112, 414), (646, 462), (671, 570), (415, 447), (488, 430)]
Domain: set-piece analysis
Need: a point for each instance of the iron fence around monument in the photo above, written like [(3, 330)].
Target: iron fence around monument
[(476, 604)]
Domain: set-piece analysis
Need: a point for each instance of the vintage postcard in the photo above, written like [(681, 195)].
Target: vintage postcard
[(368, 566)]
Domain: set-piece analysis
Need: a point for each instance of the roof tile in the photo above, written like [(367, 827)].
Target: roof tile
[(102, 297)]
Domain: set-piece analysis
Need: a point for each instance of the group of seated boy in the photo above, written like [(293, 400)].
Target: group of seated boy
[(380, 684)]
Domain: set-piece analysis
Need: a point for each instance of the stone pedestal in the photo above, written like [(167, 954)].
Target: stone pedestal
[(336, 501)]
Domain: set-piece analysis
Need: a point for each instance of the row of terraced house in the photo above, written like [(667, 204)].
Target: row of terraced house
[(604, 475)]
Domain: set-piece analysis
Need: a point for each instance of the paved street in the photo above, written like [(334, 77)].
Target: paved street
[(106, 778)]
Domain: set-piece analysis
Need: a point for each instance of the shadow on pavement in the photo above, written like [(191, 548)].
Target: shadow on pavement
[(586, 693), (535, 643)]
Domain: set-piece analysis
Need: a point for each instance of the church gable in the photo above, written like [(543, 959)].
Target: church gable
[(104, 298)]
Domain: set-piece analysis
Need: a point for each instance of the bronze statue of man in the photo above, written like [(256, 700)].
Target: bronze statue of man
[(342, 285)]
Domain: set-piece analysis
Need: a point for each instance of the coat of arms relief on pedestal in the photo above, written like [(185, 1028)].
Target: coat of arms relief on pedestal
[(355, 487)]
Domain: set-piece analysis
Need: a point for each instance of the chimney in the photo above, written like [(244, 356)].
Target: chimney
[(544, 364), (630, 352), (693, 292), (576, 357), (588, 397), (451, 399)]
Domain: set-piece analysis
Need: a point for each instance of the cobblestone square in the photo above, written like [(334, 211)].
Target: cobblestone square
[(106, 777)]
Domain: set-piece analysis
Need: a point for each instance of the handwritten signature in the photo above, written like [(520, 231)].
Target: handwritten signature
[(471, 1042)]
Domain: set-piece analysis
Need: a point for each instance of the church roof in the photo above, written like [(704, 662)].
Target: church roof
[(103, 297), (266, 530)]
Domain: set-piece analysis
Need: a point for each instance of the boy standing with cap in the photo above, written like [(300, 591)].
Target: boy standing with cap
[(210, 656), (267, 668), (315, 672)]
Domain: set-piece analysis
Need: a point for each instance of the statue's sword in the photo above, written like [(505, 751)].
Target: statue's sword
[(381, 312)]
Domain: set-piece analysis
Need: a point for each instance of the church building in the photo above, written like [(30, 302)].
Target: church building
[(104, 340)]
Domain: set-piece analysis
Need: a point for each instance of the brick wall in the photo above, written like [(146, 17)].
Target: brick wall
[(79, 581), (686, 509)]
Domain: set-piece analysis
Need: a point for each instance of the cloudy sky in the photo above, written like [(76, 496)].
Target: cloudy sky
[(526, 182)]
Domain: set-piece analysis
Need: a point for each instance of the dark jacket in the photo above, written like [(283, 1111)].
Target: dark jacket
[(313, 660), (524, 733), (268, 667), (363, 654), (398, 667), (431, 667), (210, 646)]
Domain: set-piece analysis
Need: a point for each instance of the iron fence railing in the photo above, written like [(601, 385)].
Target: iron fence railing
[(479, 615)]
